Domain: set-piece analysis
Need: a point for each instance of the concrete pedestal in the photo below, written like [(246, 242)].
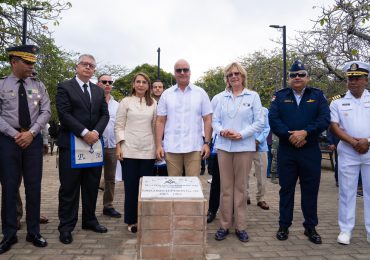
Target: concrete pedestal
[(171, 224)]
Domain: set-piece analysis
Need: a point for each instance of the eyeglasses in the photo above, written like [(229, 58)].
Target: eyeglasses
[(110, 82), (300, 75), (185, 70), (233, 74), (144, 82), (87, 65)]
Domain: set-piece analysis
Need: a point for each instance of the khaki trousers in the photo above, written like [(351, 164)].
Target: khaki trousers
[(260, 171), (176, 161), (110, 163), (234, 172)]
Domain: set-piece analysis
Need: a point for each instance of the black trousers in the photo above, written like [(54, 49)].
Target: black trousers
[(303, 164), (72, 181), (214, 193), (132, 171), (16, 162)]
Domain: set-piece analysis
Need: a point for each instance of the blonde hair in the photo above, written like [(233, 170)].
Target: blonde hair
[(241, 70)]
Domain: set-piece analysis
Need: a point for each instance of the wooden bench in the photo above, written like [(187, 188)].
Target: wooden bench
[(327, 154)]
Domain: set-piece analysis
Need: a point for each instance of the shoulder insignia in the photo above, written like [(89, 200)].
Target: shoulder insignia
[(337, 97)]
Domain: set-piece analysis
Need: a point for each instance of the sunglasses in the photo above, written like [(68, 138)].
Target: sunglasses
[(185, 70), (110, 82), (87, 65), (233, 74), (300, 75), (355, 78)]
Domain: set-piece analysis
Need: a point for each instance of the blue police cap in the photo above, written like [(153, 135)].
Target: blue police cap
[(356, 69), (297, 65), (26, 52)]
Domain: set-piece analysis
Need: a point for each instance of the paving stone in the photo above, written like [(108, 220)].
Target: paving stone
[(262, 225)]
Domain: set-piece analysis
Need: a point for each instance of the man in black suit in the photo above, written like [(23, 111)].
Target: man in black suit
[(82, 111)]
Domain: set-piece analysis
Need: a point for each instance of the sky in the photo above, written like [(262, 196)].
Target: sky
[(207, 33)]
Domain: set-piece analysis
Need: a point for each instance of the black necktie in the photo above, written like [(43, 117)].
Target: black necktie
[(23, 109), (86, 94)]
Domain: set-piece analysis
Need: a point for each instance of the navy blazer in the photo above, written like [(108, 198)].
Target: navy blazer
[(312, 115), (74, 113)]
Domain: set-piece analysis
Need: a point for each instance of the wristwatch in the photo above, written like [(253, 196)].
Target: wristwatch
[(207, 143), (33, 133)]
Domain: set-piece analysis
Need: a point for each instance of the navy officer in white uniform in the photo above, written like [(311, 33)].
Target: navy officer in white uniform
[(350, 121)]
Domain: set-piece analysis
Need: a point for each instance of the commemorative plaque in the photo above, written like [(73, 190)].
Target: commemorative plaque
[(171, 218)]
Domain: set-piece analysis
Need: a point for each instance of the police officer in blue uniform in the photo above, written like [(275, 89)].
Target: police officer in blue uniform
[(298, 115), (24, 112)]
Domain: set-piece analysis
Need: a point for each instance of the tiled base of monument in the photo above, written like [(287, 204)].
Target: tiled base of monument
[(171, 228)]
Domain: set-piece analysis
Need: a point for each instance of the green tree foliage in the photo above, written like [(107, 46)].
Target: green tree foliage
[(264, 73), (124, 84), (11, 14), (53, 66), (340, 34), (212, 81)]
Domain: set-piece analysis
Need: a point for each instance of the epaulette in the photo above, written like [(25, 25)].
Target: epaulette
[(35, 78), (336, 97)]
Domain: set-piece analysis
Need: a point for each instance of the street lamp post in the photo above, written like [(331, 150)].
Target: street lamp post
[(24, 28), (159, 63), (284, 51)]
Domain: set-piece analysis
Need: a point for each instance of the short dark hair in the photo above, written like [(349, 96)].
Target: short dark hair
[(101, 75)]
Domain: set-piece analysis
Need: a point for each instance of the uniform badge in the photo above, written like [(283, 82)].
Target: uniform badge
[(288, 101), (311, 101), (35, 91), (354, 66)]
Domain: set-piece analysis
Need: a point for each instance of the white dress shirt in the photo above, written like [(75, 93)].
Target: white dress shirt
[(108, 134), (184, 111)]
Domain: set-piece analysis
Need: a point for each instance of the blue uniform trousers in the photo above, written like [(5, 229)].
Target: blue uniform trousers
[(16, 162), (303, 164)]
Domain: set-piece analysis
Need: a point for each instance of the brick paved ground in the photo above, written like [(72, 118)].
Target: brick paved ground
[(262, 225)]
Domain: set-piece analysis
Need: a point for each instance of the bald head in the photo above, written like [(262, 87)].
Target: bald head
[(181, 63), (182, 73)]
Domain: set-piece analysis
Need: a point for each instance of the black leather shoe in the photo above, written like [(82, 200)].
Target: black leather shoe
[(7, 243), (36, 240), (97, 228), (282, 234), (313, 236), (111, 212), (210, 216), (65, 237)]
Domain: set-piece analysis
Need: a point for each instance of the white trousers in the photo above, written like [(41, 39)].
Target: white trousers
[(350, 163)]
